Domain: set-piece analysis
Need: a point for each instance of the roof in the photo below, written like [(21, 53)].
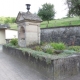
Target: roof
[(4, 26), (29, 16)]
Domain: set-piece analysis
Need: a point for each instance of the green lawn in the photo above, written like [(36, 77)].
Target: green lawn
[(54, 23), (61, 22)]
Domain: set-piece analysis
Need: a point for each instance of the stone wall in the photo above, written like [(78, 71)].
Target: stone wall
[(56, 69), (69, 35)]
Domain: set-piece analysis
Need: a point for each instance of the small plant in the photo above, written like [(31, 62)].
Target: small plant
[(14, 42), (69, 51), (58, 46), (41, 43), (47, 48), (50, 51), (75, 48), (38, 48)]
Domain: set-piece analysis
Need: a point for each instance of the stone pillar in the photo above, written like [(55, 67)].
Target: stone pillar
[(32, 33)]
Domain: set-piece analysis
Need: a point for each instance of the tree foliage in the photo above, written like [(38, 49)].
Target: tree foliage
[(74, 7), (47, 12), (7, 19)]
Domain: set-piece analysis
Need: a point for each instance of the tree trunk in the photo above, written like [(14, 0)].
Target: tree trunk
[(47, 24)]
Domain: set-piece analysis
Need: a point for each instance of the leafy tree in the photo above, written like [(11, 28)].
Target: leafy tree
[(13, 19), (7, 19), (47, 12), (74, 7)]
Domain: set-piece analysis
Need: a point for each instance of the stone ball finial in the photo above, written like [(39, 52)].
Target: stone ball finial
[(28, 6)]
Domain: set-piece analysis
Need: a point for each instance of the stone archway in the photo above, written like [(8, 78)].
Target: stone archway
[(21, 37), (22, 33)]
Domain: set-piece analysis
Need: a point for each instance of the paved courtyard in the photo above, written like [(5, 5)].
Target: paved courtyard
[(0, 47), (12, 68)]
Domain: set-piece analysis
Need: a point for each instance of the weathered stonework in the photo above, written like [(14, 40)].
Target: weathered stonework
[(55, 69), (28, 29), (69, 35)]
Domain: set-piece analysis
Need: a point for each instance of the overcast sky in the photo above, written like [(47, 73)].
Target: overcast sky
[(12, 7)]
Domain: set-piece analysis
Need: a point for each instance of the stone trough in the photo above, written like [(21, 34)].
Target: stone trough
[(56, 69)]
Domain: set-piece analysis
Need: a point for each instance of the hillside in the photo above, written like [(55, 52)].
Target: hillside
[(53, 23), (62, 22)]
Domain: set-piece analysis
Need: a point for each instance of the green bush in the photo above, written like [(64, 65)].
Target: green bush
[(58, 46), (14, 42)]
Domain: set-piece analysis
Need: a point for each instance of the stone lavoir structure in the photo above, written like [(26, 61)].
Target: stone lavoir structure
[(28, 28)]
